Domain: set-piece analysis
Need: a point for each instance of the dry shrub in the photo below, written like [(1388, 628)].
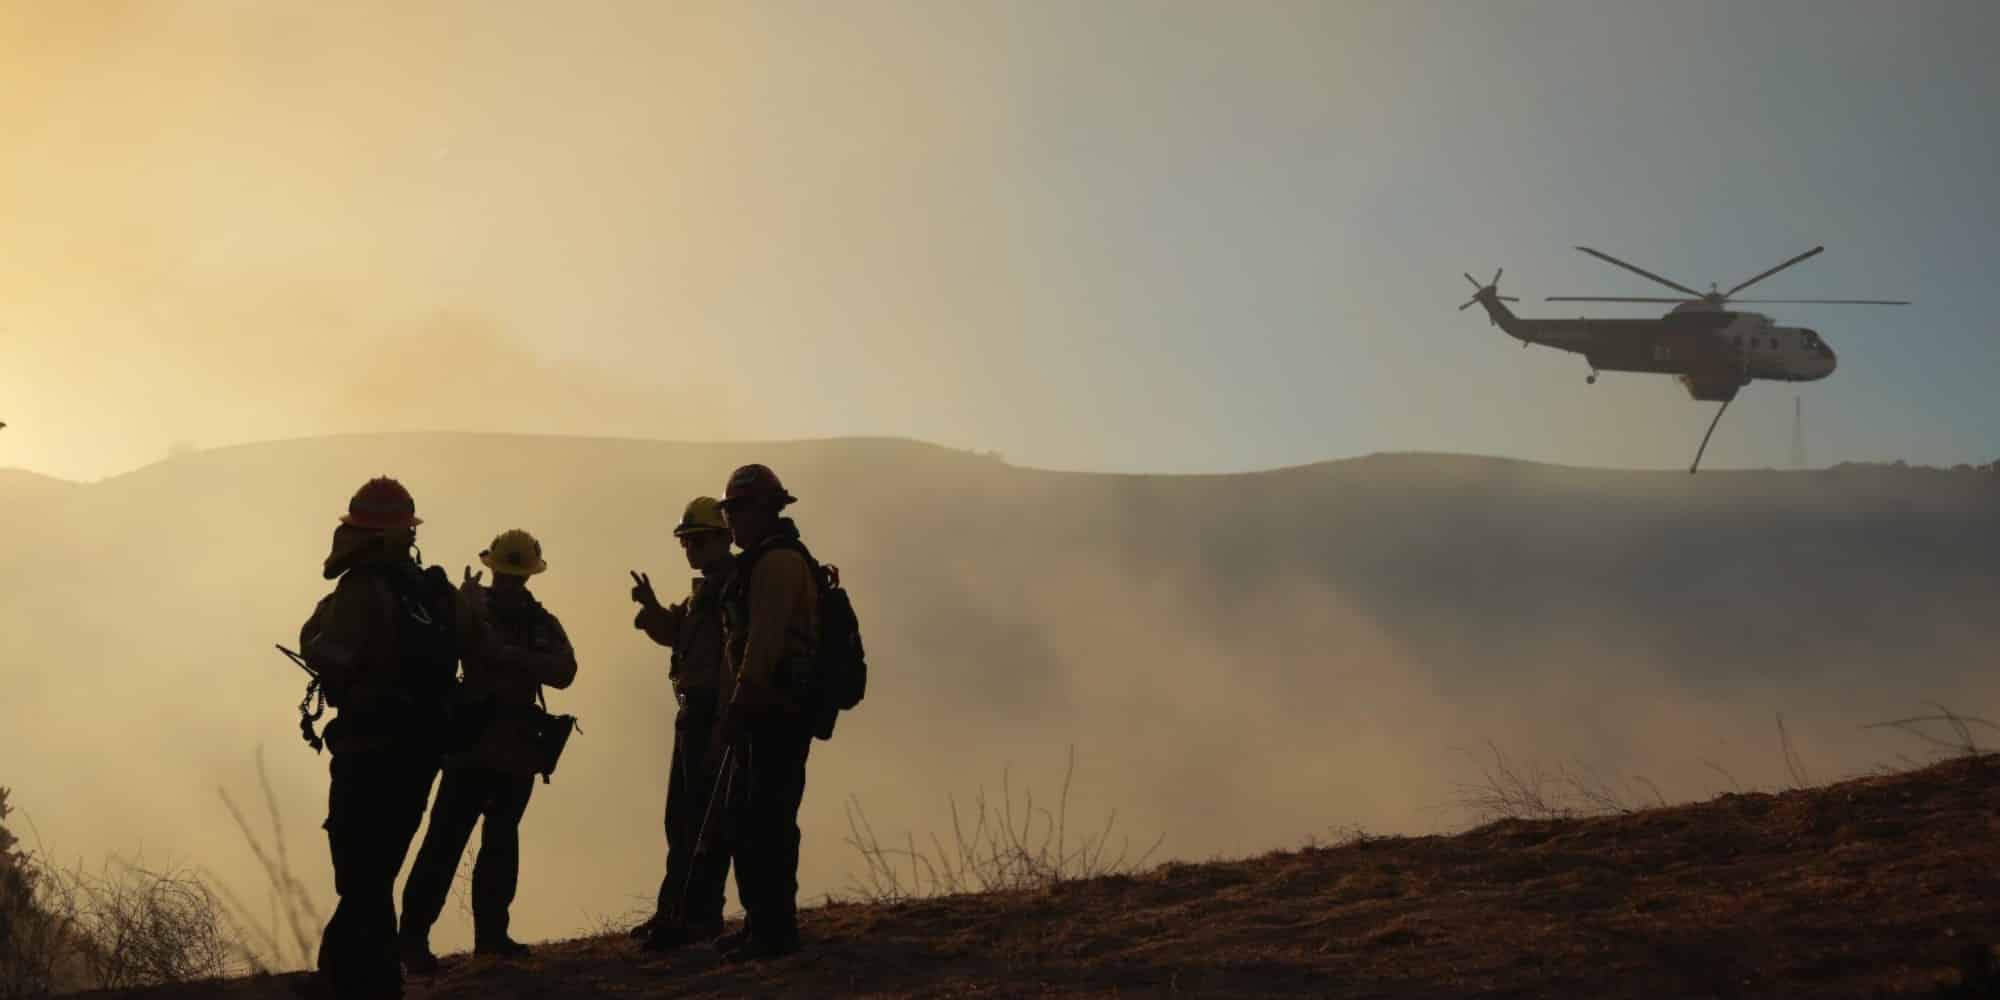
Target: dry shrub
[(137, 926), (130, 925), (27, 950), (995, 848), (1948, 734), (1795, 767), (285, 935), (124, 926), (1506, 790)]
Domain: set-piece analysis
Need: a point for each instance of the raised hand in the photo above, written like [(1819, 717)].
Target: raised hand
[(469, 588), (642, 590)]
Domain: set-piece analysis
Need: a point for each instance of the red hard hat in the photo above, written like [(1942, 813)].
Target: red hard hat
[(381, 504), (753, 483)]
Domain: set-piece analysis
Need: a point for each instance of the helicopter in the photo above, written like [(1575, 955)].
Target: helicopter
[(1712, 349)]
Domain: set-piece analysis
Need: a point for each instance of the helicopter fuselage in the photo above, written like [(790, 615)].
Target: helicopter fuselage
[(1714, 351), (1711, 346)]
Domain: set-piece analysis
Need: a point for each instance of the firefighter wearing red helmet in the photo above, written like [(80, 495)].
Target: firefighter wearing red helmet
[(771, 624), (385, 648)]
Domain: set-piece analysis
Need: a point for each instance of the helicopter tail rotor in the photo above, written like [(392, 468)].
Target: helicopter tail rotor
[(1490, 290)]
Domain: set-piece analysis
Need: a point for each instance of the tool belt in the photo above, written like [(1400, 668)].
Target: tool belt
[(521, 740), (397, 724)]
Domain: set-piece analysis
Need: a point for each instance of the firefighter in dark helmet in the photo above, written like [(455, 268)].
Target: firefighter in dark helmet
[(385, 646), (770, 615), (689, 906), (489, 783)]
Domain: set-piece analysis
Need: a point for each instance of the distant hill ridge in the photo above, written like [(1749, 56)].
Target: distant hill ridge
[(1446, 465)]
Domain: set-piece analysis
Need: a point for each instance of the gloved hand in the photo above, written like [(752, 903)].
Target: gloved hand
[(642, 591), (473, 594)]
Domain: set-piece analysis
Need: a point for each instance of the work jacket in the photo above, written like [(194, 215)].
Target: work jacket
[(692, 628), (530, 648), (498, 704), (771, 616), (385, 644)]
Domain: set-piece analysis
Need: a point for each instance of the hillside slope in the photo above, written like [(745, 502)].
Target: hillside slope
[(1868, 887), (1238, 660)]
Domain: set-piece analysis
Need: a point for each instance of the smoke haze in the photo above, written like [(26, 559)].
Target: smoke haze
[(1241, 662), (562, 268)]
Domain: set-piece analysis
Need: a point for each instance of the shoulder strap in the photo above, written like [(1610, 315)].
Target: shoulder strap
[(787, 542), (739, 579)]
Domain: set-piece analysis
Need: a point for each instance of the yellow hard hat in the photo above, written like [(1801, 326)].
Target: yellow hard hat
[(515, 553), (702, 514)]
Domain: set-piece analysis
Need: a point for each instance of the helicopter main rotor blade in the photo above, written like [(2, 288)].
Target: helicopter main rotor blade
[(1775, 270), (1826, 302), (1475, 281), (1608, 259), (1601, 298)]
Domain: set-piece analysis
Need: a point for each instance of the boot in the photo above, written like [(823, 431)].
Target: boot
[(312, 986), (733, 940), (669, 937), (759, 948), (502, 947), (417, 957)]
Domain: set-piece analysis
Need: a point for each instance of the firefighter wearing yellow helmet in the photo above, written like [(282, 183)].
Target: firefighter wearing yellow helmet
[(491, 782), (690, 899), (514, 553)]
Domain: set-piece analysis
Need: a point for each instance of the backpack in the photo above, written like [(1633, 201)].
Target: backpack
[(426, 648), (426, 633), (839, 677)]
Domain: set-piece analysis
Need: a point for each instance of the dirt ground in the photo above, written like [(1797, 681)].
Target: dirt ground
[(1879, 886)]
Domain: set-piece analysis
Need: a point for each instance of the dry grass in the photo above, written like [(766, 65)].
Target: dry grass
[(1533, 791), (1959, 738), (1877, 886), (123, 926), (284, 935), (1507, 790), (997, 848), (129, 924)]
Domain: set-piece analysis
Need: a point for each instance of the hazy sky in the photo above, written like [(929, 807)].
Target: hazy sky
[(1133, 236)]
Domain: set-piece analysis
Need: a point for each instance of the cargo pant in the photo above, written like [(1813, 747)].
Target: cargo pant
[(691, 893), (374, 806), (769, 785), (496, 800)]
